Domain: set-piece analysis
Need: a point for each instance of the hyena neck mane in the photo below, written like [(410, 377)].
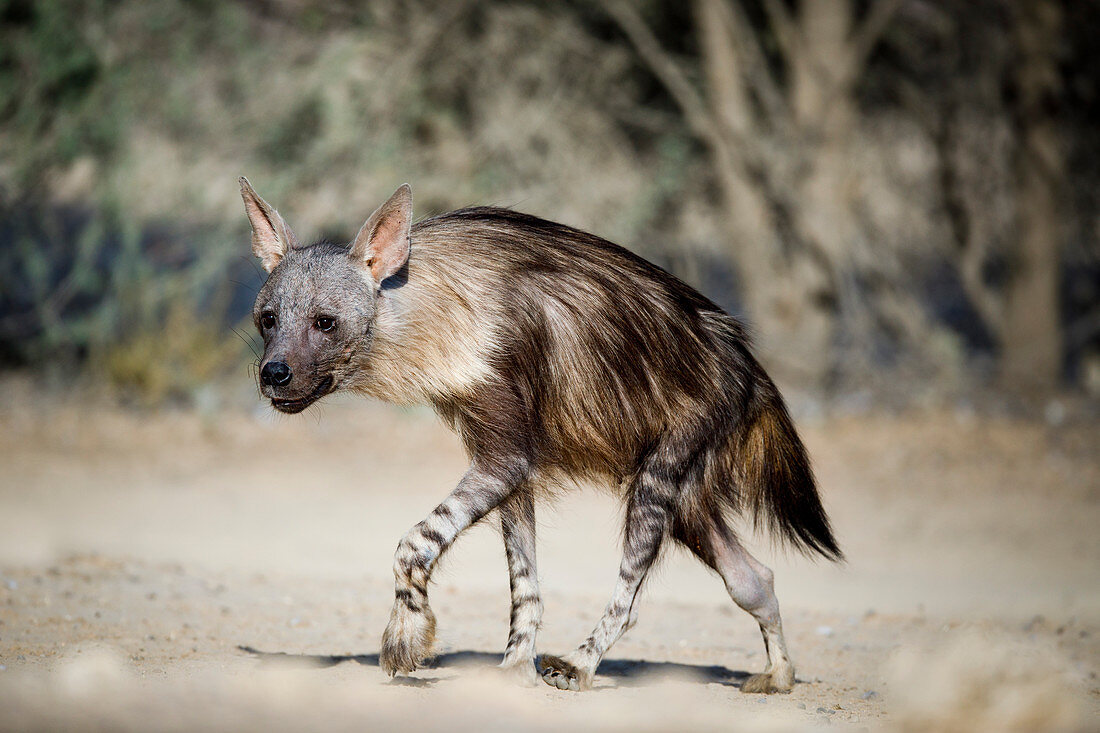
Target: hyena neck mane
[(436, 332)]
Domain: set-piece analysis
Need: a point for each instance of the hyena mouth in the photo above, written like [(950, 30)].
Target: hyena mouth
[(291, 407)]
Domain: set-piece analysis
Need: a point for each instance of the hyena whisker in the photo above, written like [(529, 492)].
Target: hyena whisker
[(559, 358), (261, 276), (248, 341), (247, 285)]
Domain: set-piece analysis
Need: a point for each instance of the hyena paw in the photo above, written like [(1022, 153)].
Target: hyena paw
[(522, 672), (408, 639), (780, 679), (563, 674)]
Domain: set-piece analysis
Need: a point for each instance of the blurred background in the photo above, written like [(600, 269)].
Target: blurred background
[(902, 197), (898, 194)]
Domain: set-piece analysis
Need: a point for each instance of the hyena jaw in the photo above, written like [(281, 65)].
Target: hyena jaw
[(552, 353)]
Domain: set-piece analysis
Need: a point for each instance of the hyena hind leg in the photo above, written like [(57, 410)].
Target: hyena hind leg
[(517, 524), (751, 586)]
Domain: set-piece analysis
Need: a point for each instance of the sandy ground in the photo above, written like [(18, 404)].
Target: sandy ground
[(231, 571)]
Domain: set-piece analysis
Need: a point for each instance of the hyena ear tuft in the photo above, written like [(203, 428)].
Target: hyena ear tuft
[(271, 237), (383, 242)]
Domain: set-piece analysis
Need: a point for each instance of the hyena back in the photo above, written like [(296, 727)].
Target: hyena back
[(557, 357)]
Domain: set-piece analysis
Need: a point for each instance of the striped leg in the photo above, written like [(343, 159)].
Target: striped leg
[(648, 516), (517, 523), (410, 633)]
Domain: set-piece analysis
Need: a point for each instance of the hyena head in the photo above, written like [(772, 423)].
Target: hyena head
[(316, 311)]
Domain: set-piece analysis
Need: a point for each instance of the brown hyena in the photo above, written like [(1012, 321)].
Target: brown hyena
[(557, 357)]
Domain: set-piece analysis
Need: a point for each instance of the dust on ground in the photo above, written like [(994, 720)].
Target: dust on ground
[(231, 571)]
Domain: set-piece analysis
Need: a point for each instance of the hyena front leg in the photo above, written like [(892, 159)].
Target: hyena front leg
[(410, 633), (648, 516), (517, 523)]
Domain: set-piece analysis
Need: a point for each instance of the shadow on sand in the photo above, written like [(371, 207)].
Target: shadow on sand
[(625, 672)]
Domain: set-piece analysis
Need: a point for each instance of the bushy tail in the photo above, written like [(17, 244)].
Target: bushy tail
[(778, 483)]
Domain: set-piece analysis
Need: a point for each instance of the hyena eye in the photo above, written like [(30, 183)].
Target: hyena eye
[(267, 320), (325, 323)]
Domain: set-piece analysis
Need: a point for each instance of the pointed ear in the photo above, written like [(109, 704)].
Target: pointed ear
[(383, 242), (271, 237)]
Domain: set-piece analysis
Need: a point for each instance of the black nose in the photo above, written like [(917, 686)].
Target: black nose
[(275, 373)]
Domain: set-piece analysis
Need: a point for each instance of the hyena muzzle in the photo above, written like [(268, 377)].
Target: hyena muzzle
[(558, 357)]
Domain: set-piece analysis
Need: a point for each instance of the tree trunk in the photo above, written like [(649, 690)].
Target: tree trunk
[(1031, 336), (781, 287)]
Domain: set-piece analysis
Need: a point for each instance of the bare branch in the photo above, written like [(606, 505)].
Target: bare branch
[(738, 129), (723, 70), (869, 32), (1083, 329), (971, 262), (664, 67), (783, 25), (758, 73), (729, 145)]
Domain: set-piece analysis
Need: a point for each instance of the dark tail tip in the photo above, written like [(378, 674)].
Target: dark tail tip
[(780, 484)]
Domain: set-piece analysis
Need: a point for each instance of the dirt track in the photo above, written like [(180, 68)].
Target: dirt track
[(232, 571)]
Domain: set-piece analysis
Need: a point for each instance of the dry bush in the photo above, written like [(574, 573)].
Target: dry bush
[(171, 363)]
